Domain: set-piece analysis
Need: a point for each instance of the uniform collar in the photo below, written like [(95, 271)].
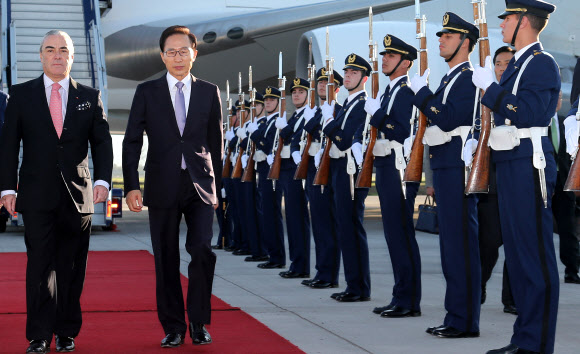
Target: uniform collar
[(455, 67), (521, 52), (352, 96), (396, 80)]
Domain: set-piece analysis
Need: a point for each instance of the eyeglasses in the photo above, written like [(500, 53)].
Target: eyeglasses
[(182, 52)]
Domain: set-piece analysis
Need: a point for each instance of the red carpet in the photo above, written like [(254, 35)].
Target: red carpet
[(119, 312)]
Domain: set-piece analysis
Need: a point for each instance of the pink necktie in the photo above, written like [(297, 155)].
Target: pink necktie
[(55, 107)]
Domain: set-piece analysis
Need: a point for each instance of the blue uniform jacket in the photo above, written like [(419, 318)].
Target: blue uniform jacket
[(343, 138), (313, 127), (534, 105), (264, 141), (574, 108), (456, 112)]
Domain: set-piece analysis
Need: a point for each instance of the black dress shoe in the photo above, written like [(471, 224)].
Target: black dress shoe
[(270, 265), (199, 334), (572, 278), (511, 349), (483, 295), (336, 295), (38, 346), (397, 311), (450, 332), (307, 282), (229, 249), (319, 284), (430, 330), (290, 274), (256, 258), (350, 297), (64, 344), (217, 247), (172, 340), (241, 252), (379, 310), (510, 309)]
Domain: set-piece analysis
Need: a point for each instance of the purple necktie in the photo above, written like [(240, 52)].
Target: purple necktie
[(180, 114)]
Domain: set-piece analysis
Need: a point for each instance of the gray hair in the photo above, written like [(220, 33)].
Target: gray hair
[(60, 33)]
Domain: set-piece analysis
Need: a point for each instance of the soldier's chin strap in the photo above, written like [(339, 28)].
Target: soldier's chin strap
[(359, 81), (396, 67), (513, 43), (463, 38), (262, 111)]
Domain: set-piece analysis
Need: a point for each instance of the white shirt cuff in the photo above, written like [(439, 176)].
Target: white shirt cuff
[(100, 182), (7, 192)]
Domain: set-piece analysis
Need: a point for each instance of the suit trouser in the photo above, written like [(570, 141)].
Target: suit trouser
[(250, 219), (324, 228), (490, 241), (297, 220), (563, 207), (529, 248), (164, 225), (351, 233), (397, 216), (270, 215), (459, 246), (57, 244)]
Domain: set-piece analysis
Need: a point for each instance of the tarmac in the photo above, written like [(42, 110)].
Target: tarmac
[(317, 324)]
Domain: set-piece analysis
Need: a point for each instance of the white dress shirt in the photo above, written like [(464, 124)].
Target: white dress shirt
[(171, 81)]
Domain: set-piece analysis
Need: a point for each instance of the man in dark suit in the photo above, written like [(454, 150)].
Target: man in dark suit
[(182, 117), (3, 212), (55, 118)]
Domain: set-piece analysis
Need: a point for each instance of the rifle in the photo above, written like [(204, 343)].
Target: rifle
[(274, 173), (302, 168), (478, 181), (365, 172), (249, 171), (321, 177), (226, 172), (573, 180), (238, 166), (414, 170)]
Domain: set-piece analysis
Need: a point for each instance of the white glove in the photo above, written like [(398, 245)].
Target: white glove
[(245, 160), (468, 151), (230, 134), (309, 113), (372, 105), (483, 76), (407, 147), (317, 158), (234, 157), (241, 133), (418, 81), (252, 127), (296, 156), (356, 149), (571, 134), (223, 192), (270, 159), (327, 110), (281, 122)]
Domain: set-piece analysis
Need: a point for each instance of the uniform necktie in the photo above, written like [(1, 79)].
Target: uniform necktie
[(55, 107), (180, 114), (554, 134)]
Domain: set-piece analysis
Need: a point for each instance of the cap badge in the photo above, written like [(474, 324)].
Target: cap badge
[(351, 58), (445, 19), (323, 71), (268, 91), (387, 41), (296, 82)]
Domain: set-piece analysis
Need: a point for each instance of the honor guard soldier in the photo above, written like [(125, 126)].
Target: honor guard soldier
[(390, 115), (297, 219), (523, 104), (270, 213), (235, 231), (243, 248), (322, 213), (348, 201), (249, 194), (450, 114)]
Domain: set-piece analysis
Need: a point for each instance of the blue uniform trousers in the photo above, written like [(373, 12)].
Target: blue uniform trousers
[(235, 232), (351, 233), (270, 215), (324, 229), (224, 222), (529, 251), (250, 219), (397, 215), (459, 245), (297, 220), (240, 203)]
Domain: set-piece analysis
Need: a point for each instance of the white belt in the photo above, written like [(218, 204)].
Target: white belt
[(382, 148), (259, 156), (314, 148), (285, 154), (507, 137), (335, 152), (435, 136)]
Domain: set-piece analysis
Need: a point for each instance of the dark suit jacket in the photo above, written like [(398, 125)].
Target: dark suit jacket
[(3, 103), (201, 144), (47, 159)]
